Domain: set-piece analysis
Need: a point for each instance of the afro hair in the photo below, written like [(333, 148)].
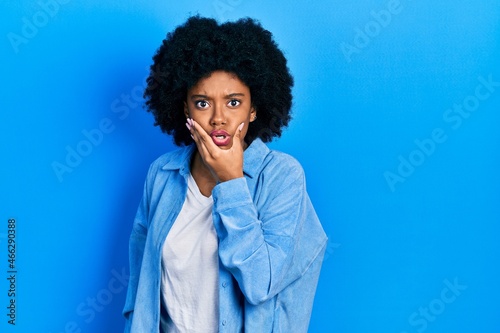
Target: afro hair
[(201, 46)]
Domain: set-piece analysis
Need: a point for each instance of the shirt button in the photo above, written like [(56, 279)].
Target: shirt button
[(224, 284), (224, 323)]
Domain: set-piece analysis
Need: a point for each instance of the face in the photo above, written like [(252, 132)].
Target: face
[(220, 103)]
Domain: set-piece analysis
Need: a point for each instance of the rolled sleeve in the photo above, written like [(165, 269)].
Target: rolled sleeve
[(259, 245)]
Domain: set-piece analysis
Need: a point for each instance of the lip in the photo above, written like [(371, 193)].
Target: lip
[(220, 137)]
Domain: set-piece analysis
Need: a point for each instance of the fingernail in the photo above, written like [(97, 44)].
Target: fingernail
[(192, 137), (241, 126), (188, 126)]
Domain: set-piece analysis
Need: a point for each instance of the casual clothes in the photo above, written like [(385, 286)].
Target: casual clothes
[(270, 243)]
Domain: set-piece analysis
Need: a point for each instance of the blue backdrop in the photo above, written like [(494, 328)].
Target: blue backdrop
[(396, 117)]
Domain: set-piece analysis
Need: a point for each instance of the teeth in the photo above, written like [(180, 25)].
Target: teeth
[(220, 136)]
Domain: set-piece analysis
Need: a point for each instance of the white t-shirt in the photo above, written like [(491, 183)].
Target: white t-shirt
[(190, 268)]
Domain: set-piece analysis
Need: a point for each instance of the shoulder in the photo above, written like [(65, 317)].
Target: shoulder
[(175, 161), (273, 167), (283, 163)]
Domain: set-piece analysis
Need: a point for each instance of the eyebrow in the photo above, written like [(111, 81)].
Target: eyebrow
[(198, 96)]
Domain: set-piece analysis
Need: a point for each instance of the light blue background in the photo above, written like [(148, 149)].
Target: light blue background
[(394, 249)]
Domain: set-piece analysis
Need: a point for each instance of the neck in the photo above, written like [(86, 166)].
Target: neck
[(199, 167), (202, 175)]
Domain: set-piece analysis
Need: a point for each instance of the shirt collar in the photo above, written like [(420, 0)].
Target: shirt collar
[(253, 157), (180, 159)]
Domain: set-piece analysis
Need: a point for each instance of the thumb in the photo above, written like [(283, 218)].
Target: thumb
[(237, 135)]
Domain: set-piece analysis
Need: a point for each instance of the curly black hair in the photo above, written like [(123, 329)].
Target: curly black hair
[(201, 46)]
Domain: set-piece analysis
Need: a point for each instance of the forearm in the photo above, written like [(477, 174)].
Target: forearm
[(257, 252)]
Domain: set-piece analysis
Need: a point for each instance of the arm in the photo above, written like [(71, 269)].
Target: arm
[(137, 242), (266, 246), (269, 245)]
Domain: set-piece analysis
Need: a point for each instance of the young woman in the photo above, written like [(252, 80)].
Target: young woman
[(225, 238)]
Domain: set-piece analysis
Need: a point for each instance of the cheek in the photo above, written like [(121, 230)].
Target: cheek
[(244, 131), (200, 117)]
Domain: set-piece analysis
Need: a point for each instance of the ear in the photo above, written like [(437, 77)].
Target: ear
[(253, 114), (186, 110)]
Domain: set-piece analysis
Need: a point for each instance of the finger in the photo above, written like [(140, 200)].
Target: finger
[(195, 135), (203, 142), (189, 125), (237, 137), (204, 138)]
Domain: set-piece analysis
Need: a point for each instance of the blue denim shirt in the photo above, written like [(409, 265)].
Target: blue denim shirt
[(271, 243)]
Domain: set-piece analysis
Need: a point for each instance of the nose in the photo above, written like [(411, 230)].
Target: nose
[(218, 115)]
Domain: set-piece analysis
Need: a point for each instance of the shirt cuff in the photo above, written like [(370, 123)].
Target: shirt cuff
[(231, 193)]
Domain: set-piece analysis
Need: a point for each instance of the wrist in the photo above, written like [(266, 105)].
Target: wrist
[(225, 178)]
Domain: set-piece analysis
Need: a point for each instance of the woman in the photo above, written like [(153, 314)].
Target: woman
[(225, 238)]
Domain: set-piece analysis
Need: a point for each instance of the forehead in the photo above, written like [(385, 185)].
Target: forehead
[(219, 82)]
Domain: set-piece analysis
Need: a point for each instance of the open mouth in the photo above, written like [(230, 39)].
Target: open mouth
[(220, 137)]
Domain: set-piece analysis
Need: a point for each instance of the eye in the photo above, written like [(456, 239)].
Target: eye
[(234, 103), (201, 104)]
